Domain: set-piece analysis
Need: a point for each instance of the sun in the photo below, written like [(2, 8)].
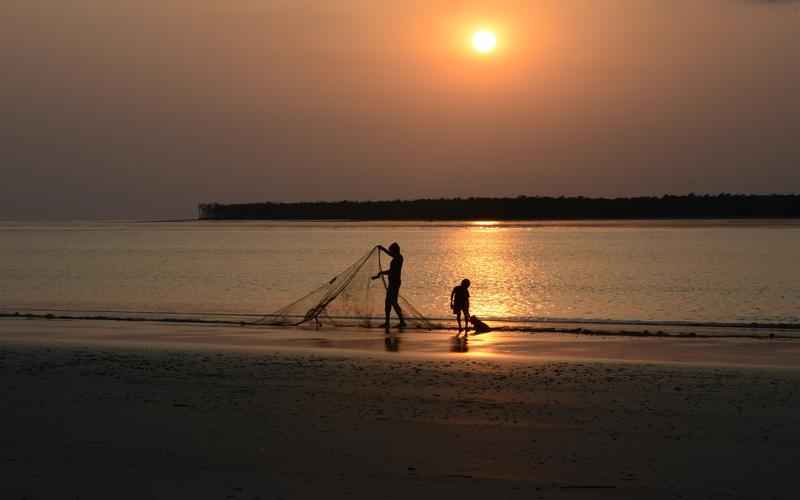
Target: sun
[(484, 41)]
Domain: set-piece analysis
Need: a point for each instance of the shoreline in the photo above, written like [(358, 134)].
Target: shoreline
[(609, 328), (500, 346), (521, 207)]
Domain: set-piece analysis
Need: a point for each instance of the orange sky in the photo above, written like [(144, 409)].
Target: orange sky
[(145, 108)]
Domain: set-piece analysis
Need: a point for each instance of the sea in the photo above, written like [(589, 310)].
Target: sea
[(650, 273)]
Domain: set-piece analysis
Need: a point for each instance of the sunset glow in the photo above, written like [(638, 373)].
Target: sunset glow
[(451, 99), (484, 41)]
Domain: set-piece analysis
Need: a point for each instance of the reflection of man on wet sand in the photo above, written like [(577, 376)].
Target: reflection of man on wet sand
[(394, 280), (392, 343), (459, 344)]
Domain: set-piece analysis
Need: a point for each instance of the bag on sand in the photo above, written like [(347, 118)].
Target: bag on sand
[(480, 326)]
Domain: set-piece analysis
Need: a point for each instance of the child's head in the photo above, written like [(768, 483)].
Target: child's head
[(465, 283)]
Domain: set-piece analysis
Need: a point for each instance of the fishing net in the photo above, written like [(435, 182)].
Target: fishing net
[(351, 298)]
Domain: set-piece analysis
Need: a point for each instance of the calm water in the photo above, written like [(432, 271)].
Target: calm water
[(674, 271)]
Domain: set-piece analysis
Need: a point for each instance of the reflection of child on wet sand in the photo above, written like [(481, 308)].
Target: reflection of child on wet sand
[(459, 302)]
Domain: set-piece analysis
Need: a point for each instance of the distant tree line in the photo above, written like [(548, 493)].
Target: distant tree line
[(520, 208)]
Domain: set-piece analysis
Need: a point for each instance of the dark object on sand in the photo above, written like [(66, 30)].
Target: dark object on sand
[(480, 326)]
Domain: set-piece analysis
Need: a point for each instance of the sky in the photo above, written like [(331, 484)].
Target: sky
[(141, 109)]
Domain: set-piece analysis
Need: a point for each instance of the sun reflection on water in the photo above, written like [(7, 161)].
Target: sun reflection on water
[(505, 275), (485, 223)]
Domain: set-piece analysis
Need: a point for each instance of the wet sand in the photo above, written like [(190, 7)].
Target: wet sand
[(109, 410)]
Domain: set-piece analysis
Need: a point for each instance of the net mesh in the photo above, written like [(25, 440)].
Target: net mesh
[(351, 298)]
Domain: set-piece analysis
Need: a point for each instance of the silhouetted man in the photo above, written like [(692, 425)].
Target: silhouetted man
[(393, 287)]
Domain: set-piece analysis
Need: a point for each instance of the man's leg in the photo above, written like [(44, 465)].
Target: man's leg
[(399, 313), (392, 298)]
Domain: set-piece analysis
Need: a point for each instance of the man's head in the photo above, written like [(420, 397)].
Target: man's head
[(465, 283), (394, 248)]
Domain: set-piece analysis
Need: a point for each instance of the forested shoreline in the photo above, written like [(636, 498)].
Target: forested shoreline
[(518, 208)]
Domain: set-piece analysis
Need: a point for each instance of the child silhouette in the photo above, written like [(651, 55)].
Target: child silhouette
[(459, 302)]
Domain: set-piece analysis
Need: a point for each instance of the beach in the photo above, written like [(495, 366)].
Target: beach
[(211, 211), (94, 409)]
